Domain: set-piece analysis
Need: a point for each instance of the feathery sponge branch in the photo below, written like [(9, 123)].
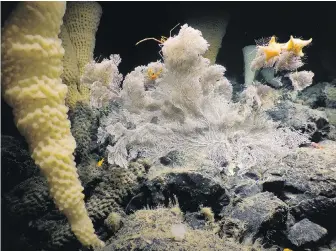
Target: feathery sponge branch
[(31, 60)]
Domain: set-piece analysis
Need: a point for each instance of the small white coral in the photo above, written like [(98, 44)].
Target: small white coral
[(301, 80), (288, 61), (103, 79), (211, 78), (133, 92), (105, 72), (184, 50), (188, 109), (100, 95)]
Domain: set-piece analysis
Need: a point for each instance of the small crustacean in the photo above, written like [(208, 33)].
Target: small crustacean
[(153, 75), (161, 41), (316, 145), (100, 162)]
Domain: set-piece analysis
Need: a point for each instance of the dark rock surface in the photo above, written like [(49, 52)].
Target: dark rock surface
[(313, 96), (195, 220), (29, 200), (262, 214), (302, 118), (306, 233), (16, 163), (192, 189), (320, 209)]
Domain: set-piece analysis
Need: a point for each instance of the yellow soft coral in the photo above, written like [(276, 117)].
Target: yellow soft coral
[(273, 49), (296, 45), (31, 63)]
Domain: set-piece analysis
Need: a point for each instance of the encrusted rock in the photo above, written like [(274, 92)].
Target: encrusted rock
[(313, 96), (262, 214), (320, 209), (165, 229), (302, 118), (192, 189), (84, 126), (16, 163), (29, 200), (305, 233)]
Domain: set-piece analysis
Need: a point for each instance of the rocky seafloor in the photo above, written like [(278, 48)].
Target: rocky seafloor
[(175, 206)]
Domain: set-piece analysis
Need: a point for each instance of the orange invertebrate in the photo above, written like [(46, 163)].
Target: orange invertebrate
[(153, 75)]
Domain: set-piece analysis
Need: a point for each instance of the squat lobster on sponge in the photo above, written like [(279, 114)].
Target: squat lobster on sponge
[(161, 41), (153, 75)]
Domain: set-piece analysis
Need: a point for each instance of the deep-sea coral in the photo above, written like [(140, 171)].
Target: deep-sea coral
[(188, 109), (78, 32), (103, 80), (29, 199), (84, 126), (113, 221), (31, 83), (111, 192), (16, 163), (82, 20), (301, 79), (284, 57)]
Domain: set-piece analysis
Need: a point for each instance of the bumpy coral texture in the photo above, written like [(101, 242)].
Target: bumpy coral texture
[(78, 32), (114, 188), (31, 69), (29, 199), (82, 23), (84, 125), (76, 93)]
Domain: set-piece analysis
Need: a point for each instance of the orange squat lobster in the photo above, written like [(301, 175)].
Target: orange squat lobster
[(161, 41), (153, 75)]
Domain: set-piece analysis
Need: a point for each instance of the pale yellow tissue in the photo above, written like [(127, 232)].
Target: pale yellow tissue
[(70, 62), (78, 32), (82, 20), (31, 82), (213, 27)]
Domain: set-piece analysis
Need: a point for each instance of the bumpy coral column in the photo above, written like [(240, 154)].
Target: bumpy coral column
[(31, 63), (82, 20), (78, 35)]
